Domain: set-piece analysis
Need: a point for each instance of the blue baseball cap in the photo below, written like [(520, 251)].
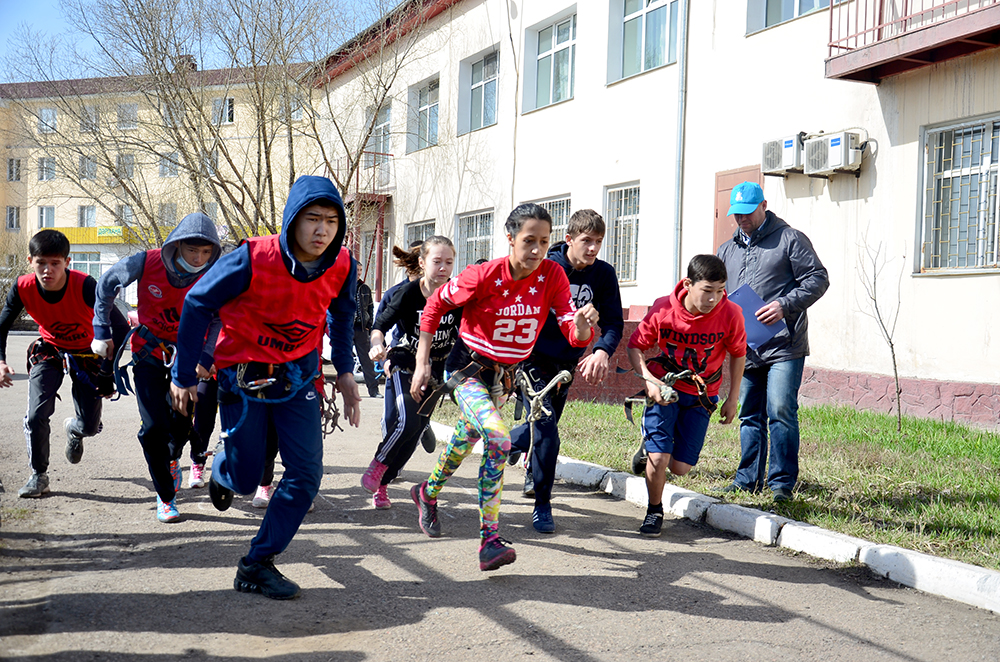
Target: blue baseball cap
[(745, 198)]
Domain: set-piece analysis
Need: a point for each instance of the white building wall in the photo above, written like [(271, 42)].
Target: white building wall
[(745, 90)]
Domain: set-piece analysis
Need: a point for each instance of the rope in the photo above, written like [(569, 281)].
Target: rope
[(235, 383), (536, 405)]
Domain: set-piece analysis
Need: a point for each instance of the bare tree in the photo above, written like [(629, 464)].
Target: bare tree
[(872, 261)]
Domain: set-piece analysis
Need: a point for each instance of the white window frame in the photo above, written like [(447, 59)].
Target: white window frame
[(210, 209), (960, 223), (762, 14), (618, 26), (89, 119), (422, 123), (48, 120), (621, 241), (13, 170), (560, 210), (419, 231), (223, 111), (125, 165), (86, 216), (546, 52), (168, 165), (46, 168), (128, 116), (378, 149), (475, 238), (46, 216), (210, 165), (88, 168), (124, 215), (484, 78), (13, 219), (89, 262), (166, 214)]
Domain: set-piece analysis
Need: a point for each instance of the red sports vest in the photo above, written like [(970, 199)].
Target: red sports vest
[(160, 303), (69, 324), (278, 318)]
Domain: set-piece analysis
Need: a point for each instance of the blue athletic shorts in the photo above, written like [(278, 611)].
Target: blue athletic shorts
[(677, 429)]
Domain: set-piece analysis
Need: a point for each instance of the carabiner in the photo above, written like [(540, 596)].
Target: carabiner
[(171, 350)]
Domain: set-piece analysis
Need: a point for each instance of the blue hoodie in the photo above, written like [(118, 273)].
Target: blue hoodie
[(597, 284), (231, 275)]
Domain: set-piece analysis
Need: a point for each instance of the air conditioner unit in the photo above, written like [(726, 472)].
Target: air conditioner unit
[(833, 152), (782, 155)]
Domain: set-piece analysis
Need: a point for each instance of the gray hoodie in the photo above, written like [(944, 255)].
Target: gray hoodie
[(780, 264)]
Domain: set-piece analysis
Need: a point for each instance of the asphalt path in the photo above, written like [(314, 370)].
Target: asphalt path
[(88, 573)]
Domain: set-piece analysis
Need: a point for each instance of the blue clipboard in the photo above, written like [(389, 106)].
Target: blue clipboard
[(758, 333)]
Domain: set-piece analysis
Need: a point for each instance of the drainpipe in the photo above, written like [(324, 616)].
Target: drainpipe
[(681, 117)]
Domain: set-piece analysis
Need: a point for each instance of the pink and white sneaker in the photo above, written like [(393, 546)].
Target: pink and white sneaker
[(197, 476), (262, 497), (372, 477), (381, 499)]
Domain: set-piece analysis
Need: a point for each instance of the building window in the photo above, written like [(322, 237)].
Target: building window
[(419, 232), (223, 111), (166, 216), (46, 168), (484, 92), (46, 217), (47, 120), (128, 116), (210, 165), (168, 165), (621, 242), (645, 37), (559, 210), (88, 263), (377, 150), (423, 129), (765, 13), (13, 218), (961, 215), (124, 215), (210, 209), (295, 106), (172, 115), (125, 166), (88, 168), (475, 239), (556, 63), (89, 119), (86, 216), (13, 170)]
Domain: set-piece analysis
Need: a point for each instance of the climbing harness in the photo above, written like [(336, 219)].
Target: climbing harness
[(536, 401), (234, 381), (167, 349)]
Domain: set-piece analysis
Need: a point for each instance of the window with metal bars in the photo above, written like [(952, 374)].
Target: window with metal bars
[(419, 232), (475, 239), (621, 242), (559, 210), (961, 217)]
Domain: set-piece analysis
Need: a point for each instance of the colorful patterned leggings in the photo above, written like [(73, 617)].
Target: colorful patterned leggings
[(480, 419)]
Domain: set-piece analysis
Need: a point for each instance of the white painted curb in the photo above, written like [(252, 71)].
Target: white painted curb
[(823, 544), (747, 522)]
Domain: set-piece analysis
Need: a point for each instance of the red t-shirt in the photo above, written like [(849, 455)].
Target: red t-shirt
[(501, 317), (694, 342)]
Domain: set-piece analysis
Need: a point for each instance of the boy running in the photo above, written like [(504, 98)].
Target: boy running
[(694, 327)]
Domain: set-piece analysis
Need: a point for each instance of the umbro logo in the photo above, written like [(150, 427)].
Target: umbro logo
[(293, 331), (68, 331)]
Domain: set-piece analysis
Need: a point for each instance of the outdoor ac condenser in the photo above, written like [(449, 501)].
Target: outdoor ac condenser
[(833, 152), (782, 155)]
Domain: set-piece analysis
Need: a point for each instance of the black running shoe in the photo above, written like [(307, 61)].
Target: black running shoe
[(262, 577), (428, 515), (495, 552), (639, 461), (652, 525), (513, 457), (74, 442), (428, 440), (221, 497)]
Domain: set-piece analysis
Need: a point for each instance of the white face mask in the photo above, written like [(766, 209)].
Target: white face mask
[(187, 267)]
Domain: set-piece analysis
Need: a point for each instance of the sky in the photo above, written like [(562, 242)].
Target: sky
[(38, 14)]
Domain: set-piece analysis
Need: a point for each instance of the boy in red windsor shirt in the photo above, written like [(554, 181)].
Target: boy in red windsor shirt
[(506, 302), (694, 327)]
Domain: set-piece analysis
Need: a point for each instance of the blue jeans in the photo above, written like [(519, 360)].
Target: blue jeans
[(769, 401)]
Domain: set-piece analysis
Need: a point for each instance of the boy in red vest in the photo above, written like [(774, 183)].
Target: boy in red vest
[(164, 276), (272, 295), (61, 301)]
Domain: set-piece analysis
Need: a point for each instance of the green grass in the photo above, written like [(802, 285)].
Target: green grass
[(934, 488)]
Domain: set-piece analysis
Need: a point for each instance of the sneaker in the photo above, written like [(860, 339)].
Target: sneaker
[(372, 477), (495, 552), (166, 511), (262, 577), (197, 476), (74, 443), (428, 517), (529, 484), (37, 485), (542, 518), (381, 499), (652, 525), (731, 488), (175, 473), (639, 461), (262, 497), (513, 457), (221, 497), (428, 440), (781, 494)]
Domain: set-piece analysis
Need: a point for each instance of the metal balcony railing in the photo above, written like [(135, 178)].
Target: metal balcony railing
[(374, 176)]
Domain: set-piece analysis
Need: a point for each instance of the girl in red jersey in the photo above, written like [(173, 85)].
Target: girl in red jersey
[(506, 302)]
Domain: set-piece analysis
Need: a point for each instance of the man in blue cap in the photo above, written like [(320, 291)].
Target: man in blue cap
[(782, 267)]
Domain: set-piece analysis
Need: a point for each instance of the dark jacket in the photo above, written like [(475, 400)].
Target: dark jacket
[(365, 315), (597, 284), (781, 265)]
